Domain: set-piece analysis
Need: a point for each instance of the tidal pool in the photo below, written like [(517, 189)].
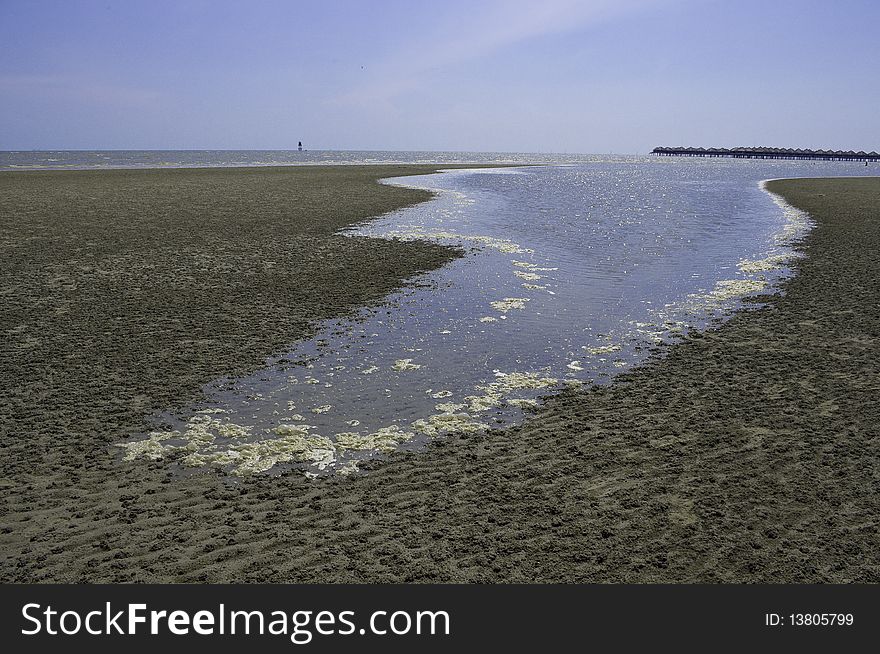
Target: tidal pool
[(572, 274)]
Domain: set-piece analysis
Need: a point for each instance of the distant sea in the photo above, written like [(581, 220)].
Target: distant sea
[(79, 159)]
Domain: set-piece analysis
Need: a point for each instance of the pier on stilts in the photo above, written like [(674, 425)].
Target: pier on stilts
[(768, 153)]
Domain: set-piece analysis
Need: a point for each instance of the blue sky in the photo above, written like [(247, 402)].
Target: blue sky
[(592, 76)]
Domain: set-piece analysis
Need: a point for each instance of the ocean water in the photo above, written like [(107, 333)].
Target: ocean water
[(98, 159), (573, 273)]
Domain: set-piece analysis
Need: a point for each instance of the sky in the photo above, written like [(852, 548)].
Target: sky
[(587, 76)]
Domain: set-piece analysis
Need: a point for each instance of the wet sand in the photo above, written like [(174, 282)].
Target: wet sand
[(748, 454)]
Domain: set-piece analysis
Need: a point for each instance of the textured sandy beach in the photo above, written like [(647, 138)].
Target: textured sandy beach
[(748, 454)]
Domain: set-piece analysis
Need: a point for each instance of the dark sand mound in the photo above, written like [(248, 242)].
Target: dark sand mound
[(749, 454)]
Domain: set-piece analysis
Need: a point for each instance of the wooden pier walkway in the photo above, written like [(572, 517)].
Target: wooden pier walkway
[(768, 153)]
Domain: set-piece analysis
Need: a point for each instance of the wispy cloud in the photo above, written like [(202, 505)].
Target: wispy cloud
[(485, 29)]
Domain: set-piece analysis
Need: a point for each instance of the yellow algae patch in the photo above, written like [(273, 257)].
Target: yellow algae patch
[(200, 431), (405, 364), (386, 439), (370, 370), (294, 445), (297, 417), (488, 319), (352, 423), (796, 223), (509, 303), (513, 381), (602, 349), (263, 455), (441, 394), (507, 383), (575, 365), (322, 409), (534, 287), (149, 448), (760, 265), (347, 468), (231, 430), (511, 248), (527, 275), (292, 430), (448, 422), (197, 437), (483, 402), (728, 289), (531, 266), (344, 439)]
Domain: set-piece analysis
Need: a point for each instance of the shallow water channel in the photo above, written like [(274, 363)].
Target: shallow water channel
[(572, 274)]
